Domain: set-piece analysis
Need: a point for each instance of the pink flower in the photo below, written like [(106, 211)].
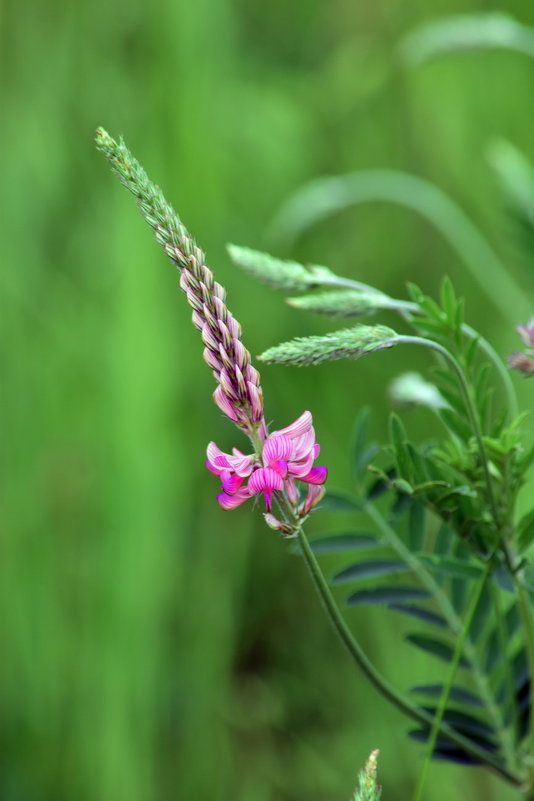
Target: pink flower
[(288, 455), (522, 363)]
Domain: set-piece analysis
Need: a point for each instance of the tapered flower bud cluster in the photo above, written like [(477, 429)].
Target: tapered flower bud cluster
[(239, 394)]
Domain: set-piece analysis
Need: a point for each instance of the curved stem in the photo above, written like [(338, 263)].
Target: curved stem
[(379, 682), (471, 411), (440, 711)]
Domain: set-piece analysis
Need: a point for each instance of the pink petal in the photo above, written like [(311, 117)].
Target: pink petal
[(252, 375), (317, 475), (301, 468), (276, 448), (217, 456), (242, 465), (223, 402), (208, 339), (313, 496), (212, 468), (264, 478), (230, 482), (256, 401), (214, 362), (301, 425), (232, 501), (291, 489), (303, 445)]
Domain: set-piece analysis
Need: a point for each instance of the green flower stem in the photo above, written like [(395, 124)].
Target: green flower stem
[(471, 412), (379, 682), (407, 309), (442, 705)]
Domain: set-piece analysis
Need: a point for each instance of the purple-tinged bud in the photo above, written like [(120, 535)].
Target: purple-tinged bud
[(198, 320), (277, 525), (211, 359), (235, 328), (224, 404), (240, 382), (315, 494), (208, 316), (228, 385), (252, 375), (208, 339), (240, 352), (220, 309), (225, 334), (256, 401), (225, 358), (291, 490), (522, 363), (219, 293)]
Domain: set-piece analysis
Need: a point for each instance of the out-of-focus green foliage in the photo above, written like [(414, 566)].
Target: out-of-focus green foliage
[(155, 647)]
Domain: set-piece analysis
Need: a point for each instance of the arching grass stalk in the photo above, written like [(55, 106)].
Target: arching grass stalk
[(444, 697)]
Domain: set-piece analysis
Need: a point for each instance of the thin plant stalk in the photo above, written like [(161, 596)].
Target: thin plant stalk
[(440, 711), (378, 681)]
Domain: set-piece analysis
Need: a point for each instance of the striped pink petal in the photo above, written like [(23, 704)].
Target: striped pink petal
[(317, 475), (291, 489), (301, 425), (232, 501), (313, 496), (217, 459), (265, 480), (303, 445), (230, 482), (276, 448), (242, 465), (224, 404), (301, 468)]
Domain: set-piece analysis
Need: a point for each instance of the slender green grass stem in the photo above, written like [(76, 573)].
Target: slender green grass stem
[(470, 408), (379, 682), (442, 705)]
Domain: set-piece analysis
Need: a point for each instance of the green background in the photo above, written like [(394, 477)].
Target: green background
[(155, 647)]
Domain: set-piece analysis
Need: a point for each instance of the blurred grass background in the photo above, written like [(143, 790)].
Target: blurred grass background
[(153, 646)]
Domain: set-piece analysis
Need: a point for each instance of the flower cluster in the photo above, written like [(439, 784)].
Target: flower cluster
[(281, 458), (287, 456), (523, 362)]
